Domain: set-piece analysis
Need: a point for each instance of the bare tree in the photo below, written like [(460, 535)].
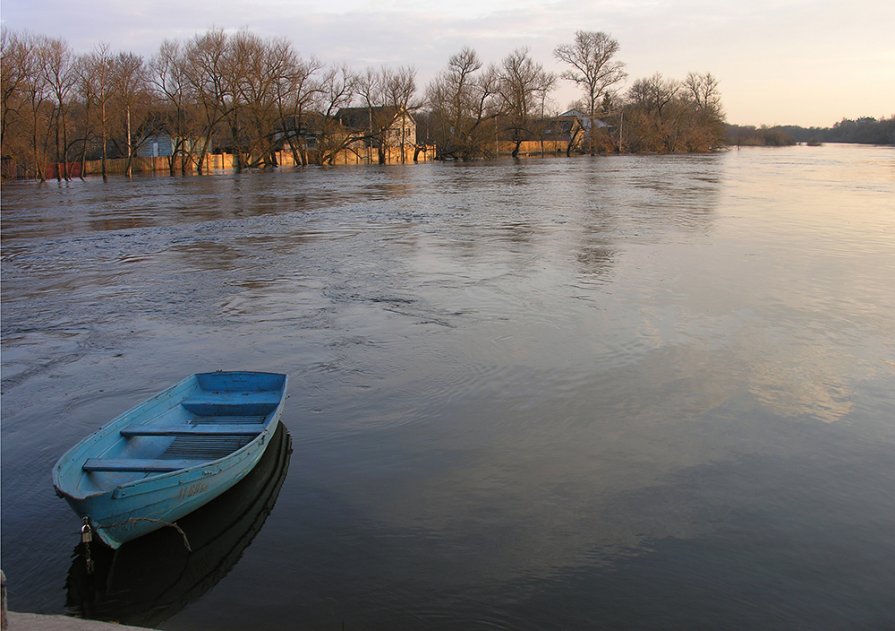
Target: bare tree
[(130, 86), (463, 98), (338, 86), (593, 69), (256, 67), (99, 67), (295, 90), (524, 85), (399, 87), (706, 120), (168, 72), (22, 100), (38, 93), (703, 91), (15, 62), (209, 86), (58, 70), (654, 122), (386, 95), (86, 89)]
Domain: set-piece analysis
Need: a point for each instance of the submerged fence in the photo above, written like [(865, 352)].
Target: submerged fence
[(212, 162)]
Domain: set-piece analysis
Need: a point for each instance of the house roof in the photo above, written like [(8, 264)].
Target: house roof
[(359, 117), (583, 118)]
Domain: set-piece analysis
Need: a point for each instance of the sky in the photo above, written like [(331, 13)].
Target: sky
[(803, 62)]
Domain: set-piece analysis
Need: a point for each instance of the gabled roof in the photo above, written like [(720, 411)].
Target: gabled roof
[(583, 118), (359, 117)]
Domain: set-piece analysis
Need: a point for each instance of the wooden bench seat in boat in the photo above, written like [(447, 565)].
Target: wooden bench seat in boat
[(232, 403), (203, 429), (141, 465)]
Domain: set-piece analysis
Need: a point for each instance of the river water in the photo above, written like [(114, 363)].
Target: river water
[(639, 392)]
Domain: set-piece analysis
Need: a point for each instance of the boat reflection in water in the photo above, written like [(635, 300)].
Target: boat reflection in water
[(151, 578)]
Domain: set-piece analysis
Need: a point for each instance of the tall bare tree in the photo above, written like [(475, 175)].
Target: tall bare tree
[(704, 92), (655, 119), (39, 93), (524, 85), (131, 89), (463, 99), (703, 95), (593, 68), (399, 88), (386, 94), (210, 87), (169, 74), (58, 70), (98, 66), (295, 91), (16, 51), (85, 91), (337, 89), (24, 93)]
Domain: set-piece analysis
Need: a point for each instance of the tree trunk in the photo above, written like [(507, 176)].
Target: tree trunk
[(104, 138), (65, 170), (83, 159), (58, 149), (129, 169)]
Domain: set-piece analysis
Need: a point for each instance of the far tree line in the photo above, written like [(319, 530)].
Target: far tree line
[(252, 97), (864, 130)]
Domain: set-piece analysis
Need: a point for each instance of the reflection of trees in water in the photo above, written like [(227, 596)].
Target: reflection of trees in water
[(518, 232), (675, 191), (106, 223), (640, 198), (596, 260), (209, 255)]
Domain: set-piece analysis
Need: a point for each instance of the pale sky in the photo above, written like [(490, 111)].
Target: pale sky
[(805, 62)]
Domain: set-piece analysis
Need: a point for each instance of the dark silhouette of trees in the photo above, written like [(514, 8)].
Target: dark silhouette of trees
[(864, 130)]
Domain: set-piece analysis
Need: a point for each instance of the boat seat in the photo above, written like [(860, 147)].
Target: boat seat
[(204, 429), (140, 465), (233, 403)]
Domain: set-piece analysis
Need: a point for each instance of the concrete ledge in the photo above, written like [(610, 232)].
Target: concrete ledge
[(38, 622)]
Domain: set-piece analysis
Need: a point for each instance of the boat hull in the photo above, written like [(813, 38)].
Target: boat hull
[(125, 503)]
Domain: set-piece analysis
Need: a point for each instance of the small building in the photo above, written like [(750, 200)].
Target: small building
[(389, 126), (161, 144)]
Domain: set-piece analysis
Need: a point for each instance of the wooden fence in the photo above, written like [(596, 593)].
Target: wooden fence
[(213, 162)]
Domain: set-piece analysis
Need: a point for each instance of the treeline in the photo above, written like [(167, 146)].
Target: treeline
[(252, 97), (865, 130), (751, 136)]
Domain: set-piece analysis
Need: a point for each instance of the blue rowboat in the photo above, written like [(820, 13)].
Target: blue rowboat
[(172, 453), (152, 578)]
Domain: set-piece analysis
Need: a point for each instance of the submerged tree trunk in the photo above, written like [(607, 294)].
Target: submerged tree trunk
[(129, 169)]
